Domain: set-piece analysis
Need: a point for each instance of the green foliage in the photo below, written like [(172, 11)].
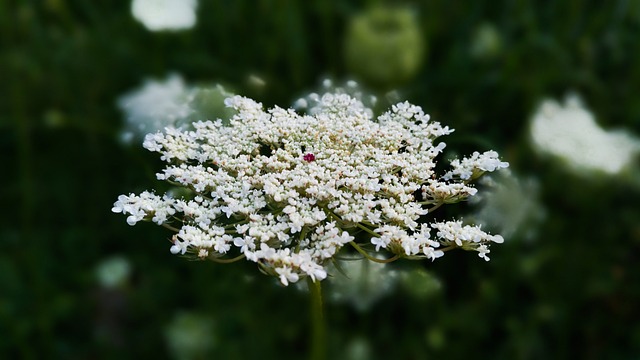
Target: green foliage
[(570, 292)]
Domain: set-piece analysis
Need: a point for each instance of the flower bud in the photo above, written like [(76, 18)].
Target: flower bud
[(486, 42), (384, 45)]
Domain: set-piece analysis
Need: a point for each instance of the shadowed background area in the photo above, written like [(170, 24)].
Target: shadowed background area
[(77, 282)]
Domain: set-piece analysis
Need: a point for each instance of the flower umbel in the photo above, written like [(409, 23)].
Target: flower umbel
[(288, 191)]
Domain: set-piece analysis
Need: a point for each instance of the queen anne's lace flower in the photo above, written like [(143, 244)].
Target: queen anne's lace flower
[(288, 191)]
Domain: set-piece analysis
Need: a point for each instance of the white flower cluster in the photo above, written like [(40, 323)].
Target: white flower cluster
[(146, 205), (288, 191), (476, 165), (466, 236), (313, 104)]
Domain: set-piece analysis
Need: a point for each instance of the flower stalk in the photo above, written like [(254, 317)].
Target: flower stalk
[(318, 326)]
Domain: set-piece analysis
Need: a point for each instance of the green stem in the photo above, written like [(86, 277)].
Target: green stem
[(165, 225), (365, 254), (227, 261), (318, 329), (372, 233), (450, 247), (433, 208)]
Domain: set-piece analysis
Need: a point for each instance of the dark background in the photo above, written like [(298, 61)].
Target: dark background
[(571, 291)]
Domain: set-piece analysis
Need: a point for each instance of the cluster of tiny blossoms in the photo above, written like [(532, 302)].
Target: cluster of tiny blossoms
[(288, 191)]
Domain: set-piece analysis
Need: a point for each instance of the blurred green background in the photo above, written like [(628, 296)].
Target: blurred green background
[(569, 287)]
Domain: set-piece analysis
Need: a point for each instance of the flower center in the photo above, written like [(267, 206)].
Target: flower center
[(309, 157)]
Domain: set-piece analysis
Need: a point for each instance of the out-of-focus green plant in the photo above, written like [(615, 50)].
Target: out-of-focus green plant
[(384, 45), (208, 104), (486, 42), (113, 272), (190, 336)]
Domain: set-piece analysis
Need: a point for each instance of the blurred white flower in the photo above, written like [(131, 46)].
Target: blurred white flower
[(571, 133), (154, 106), (113, 272), (508, 204), (158, 104), (360, 282), (157, 15), (419, 283)]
